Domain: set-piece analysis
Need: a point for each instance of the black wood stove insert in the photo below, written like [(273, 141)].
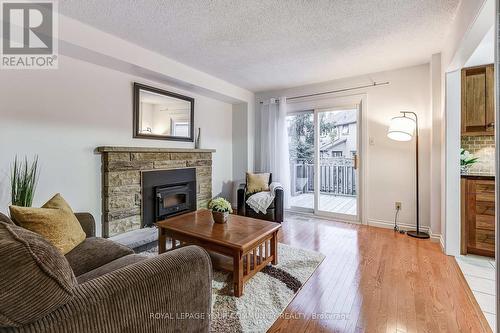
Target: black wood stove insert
[(166, 193)]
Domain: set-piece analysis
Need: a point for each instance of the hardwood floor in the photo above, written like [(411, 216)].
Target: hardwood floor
[(374, 280)]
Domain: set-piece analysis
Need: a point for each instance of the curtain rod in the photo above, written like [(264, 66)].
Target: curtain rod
[(374, 84)]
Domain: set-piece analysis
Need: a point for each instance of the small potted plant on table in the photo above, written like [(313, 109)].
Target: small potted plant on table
[(220, 208)]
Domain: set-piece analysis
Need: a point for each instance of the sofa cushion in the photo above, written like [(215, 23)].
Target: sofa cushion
[(87, 222), (55, 221), (35, 278), (6, 219), (111, 266), (94, 252)]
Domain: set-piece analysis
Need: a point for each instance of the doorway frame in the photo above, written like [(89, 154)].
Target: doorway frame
[(336, 101), (451, 122)]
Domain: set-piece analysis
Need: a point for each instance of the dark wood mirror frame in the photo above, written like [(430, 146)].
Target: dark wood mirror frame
[(137, 88)]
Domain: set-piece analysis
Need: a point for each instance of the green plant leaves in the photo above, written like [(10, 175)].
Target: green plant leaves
[(220, 205), (23, 181)]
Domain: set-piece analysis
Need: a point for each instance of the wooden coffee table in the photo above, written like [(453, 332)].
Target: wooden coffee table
[(250, 243)]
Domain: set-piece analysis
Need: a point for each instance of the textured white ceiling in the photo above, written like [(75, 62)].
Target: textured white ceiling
[(263, 44)]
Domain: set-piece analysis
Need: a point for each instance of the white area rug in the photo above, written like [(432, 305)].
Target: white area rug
[(265, 296)]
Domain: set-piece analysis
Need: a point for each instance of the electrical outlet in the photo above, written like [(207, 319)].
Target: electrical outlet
[(398, 205)]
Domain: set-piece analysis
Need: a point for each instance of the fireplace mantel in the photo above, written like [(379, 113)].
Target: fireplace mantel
[(122, 175), (119, 149)]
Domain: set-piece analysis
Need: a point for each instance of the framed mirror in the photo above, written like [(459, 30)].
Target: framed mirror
[(163, 115)]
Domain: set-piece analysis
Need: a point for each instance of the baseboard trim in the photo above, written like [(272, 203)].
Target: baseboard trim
[(406, 227), (436, 238), (441, 241)]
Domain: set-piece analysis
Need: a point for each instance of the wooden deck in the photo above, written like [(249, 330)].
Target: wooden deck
[(327, 202)]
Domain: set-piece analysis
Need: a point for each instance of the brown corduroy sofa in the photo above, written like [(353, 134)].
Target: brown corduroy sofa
[(99, 286)]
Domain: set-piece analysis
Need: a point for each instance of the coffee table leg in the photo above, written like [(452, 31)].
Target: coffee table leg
[(162, 240), (238, 274), (274, 248)]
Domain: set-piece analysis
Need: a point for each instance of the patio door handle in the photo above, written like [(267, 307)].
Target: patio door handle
[(355, 159)]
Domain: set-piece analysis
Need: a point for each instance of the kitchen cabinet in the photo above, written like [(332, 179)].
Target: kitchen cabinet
[(478, 215), (478, 100)]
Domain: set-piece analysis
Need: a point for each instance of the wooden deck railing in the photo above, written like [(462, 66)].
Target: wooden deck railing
[(337, 176)]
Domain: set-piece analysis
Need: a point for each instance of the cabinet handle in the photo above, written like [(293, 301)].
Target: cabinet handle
[(491, 125)]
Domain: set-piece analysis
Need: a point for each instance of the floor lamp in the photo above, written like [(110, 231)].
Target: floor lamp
[(402, 128)]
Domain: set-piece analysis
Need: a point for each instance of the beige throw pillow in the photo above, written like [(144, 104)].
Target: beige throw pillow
[(257, 182), (55, 221)]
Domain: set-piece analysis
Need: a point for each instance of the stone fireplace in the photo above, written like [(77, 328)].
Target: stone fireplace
[(123, 171)]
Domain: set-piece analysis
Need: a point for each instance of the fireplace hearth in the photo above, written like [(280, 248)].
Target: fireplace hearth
[(122, 184), (166, 193)]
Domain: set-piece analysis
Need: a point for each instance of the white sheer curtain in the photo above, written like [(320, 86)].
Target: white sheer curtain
[(274, 143)]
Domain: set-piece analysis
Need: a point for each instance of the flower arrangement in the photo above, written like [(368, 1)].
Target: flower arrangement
[(220, 208), (220, 205), (466, 160)]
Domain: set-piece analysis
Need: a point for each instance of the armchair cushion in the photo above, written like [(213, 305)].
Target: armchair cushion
[(6, 219), (111, 266), (94, 252), (257, 182), (140, 298), (274, 212), (35, 278)]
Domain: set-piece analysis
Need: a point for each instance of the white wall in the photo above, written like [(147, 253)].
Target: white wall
[(63, 115), (485, 51), (84, 42), (390, 165), (240, 148)]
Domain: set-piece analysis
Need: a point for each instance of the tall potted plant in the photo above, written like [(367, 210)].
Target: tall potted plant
[(23, 181), (220, 208)]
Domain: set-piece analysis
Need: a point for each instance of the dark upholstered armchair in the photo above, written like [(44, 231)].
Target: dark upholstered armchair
[(274, 212), (99, 286)]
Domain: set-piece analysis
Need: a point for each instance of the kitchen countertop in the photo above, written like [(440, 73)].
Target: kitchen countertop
[(478, 175)]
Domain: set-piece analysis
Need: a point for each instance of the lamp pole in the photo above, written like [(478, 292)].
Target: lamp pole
[(416, 233)]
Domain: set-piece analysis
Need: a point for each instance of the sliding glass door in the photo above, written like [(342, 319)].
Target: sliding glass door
[(301, 146), (336, 163), (324, 150)]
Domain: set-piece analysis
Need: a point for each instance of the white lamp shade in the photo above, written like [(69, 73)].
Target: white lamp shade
[(401, 128)]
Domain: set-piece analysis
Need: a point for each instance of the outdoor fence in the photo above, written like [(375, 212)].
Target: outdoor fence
[(337, 176)]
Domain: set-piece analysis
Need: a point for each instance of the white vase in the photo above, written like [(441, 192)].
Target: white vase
[(465, 169)]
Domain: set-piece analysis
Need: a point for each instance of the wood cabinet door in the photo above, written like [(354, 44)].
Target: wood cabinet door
[(480, 215), (471, 215), (478, 100)]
